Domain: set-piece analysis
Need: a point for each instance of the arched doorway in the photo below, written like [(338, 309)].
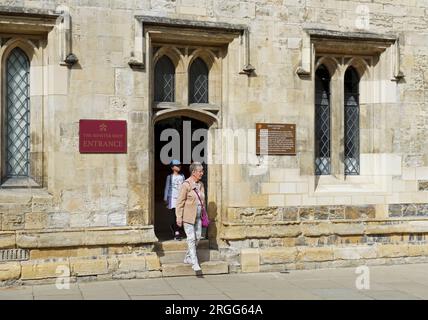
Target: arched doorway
[(182, 138)]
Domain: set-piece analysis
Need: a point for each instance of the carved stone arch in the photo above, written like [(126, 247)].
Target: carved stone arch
[(205, 116), (174, 54), (206, 55), (214, 72), (331, 64), (27, 46), (177, 60), (361, 66), (36, 85), (365, 75)]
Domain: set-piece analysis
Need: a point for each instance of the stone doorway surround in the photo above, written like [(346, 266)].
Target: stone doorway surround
[(214, 172), (184, 126)]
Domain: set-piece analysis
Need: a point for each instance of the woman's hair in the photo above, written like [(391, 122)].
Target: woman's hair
[(195, 166)]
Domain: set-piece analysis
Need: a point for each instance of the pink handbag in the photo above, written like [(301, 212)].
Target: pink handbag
[(204, 214)]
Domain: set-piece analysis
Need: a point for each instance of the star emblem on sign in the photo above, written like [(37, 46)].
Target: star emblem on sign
[(103, 127)]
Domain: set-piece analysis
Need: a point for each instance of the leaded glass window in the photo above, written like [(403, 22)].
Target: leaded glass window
[(164, 80), (17, 114), (322, 122), (352, 122), (198, 82)]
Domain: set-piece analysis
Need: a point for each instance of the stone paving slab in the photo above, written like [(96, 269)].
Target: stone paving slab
[(386, 282)]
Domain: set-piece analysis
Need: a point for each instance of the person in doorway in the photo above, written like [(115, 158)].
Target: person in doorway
[(172, 188), (188, 211)]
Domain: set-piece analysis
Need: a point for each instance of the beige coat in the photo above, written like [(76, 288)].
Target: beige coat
[(187, 201)]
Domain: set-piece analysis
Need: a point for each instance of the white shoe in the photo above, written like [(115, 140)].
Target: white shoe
[(196, 267), (187, 260)]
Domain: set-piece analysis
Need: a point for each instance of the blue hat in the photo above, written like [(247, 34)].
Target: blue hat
[(175, 163)]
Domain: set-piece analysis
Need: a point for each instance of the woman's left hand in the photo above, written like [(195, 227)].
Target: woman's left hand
[(179, 222)]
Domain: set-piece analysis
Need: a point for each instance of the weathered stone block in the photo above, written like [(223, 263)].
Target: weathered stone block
[(307, 213), (28, 239), (135, 217), (336, 213), (393, 250), (266, 231), (152, 262), (395, 210), (348, 229), (41, 269), (290, 213), (10, 271), (410, 210), (132, 263), (250, 260), (87, 267), (52, 253), (36, 220), (360, 212), (7, 240), (418, 250), (76, 238), (423, 185), (181, 269), (13, 221), (277, 255), (316, 229), (315, 254), (355, 253), (58, 220), (321, 213), (112, 264), (423, 209)]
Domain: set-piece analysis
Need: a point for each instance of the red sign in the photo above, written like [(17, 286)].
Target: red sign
[(102, 136)]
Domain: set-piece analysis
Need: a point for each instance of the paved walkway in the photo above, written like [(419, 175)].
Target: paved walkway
[(386, 282)]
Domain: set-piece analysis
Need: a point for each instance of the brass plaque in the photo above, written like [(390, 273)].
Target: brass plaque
[(275, 139)]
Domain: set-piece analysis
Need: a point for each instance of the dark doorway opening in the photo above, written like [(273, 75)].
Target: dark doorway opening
[(192, 146)]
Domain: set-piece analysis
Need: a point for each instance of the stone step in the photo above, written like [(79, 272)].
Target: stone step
[(178, 256), (181, 269), (174, 245)]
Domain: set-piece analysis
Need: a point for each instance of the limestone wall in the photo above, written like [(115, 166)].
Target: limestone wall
[(93, 191)]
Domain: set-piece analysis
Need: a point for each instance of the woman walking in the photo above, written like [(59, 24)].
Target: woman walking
[(190, 202), (172, 188)]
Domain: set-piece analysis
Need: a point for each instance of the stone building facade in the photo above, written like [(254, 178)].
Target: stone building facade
[(352, 76)]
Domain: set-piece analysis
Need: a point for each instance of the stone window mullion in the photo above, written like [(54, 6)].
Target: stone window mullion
[(185, 78), (337, 128)]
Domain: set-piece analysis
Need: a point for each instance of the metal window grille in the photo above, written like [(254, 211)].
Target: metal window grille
[(14, 255), (352, 123), (322, 122), (198, 82), (17, 114), (164, 80)]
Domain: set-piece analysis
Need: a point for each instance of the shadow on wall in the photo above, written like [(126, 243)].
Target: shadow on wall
[(212, 229)]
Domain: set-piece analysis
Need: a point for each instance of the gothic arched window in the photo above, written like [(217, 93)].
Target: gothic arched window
[(198, 82), (352, 122), (164, 80), (322, 122), (17, 121)]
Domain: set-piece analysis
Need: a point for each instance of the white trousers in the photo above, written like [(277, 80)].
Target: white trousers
[(193, 233)]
